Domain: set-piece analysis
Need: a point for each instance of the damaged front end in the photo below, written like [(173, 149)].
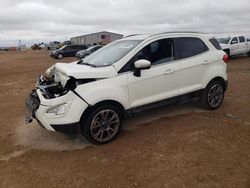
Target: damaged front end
[(49, 88), (53, 88)]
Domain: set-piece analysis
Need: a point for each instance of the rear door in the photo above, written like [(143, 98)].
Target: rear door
[(193, 55), (234, 46), (75, 49), (243, 45)]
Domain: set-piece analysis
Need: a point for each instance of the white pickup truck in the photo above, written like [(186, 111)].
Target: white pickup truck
[(235, 45)]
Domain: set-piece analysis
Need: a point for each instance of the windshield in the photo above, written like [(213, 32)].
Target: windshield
[(111, 53), (62, 47), (223, 40)]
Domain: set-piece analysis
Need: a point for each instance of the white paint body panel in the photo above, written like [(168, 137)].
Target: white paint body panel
[(160, 82), (238, 48)]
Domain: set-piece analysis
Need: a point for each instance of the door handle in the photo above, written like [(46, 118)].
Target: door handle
[(205, 62), (168, 71)]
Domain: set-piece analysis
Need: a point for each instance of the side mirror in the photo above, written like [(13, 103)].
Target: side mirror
[(141, 64)]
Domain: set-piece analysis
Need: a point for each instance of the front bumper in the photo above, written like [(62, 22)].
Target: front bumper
[(66, 122), (53, 55)]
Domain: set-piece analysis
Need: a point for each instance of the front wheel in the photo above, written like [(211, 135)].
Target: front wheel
[(59, 56), (102, 124), (213, 95)]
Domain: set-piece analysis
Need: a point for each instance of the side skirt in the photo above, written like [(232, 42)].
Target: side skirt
[(159, 104)]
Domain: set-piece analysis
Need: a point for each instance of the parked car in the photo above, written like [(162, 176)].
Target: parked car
[(84, 53), (67, 51), (235, 45), (93, 95)]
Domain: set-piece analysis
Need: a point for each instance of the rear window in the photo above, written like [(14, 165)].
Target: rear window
[(215, 43), (190, 46), (242, 39)]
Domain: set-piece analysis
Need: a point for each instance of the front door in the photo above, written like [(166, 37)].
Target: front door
[(159, 82)]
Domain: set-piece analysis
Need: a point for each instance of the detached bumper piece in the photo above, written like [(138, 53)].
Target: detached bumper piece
[(68, 129), (32, 103)]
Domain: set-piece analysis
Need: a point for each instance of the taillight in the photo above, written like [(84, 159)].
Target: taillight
[(225, 58)]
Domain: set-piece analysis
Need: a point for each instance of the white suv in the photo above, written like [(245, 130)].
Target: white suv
[(93, 95)]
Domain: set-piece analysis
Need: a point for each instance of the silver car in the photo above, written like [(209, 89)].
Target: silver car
[(83, 53)]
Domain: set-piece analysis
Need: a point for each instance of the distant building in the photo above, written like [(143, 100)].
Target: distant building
[(103, 37), (22, 47), (53, 45)]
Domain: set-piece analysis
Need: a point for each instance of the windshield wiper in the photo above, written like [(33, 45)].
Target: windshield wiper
[(85, 63)]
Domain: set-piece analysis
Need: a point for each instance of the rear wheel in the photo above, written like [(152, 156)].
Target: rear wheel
[(248, 54), (102, 124), (213, 95)]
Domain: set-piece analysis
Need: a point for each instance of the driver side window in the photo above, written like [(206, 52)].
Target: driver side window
[(234, 40), (158, 52)]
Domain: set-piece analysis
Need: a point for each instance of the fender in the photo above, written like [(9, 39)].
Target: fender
[(115, 89), (213, 72)]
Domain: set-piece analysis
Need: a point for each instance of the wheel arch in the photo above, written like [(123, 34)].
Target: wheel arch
[(227, 51), (101, 103), (220, 79)]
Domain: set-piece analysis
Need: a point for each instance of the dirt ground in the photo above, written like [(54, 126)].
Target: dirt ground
[(177, 146)]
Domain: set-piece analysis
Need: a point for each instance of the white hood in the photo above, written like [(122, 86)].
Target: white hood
[(63, 71), (83, 71)]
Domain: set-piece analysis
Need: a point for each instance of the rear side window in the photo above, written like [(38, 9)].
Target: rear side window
[(67, 48), (73, 47), (215, 43), (77, 47), (242, 39), (190, 46)]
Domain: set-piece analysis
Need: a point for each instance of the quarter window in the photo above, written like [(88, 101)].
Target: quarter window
[(190, 46), (215, 43)]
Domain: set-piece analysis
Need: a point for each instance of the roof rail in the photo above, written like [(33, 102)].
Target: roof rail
[(131, 35), (169, 32)]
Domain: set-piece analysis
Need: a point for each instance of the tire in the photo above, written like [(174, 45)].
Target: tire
[(227, 52), (97, 127), (248, 54), (213, 95), (59, 56)]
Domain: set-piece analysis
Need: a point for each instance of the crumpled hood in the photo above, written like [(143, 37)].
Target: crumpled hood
[(83, 71)]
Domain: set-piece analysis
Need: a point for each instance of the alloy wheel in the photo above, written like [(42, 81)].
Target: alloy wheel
[(105, 125), (215, 95)]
